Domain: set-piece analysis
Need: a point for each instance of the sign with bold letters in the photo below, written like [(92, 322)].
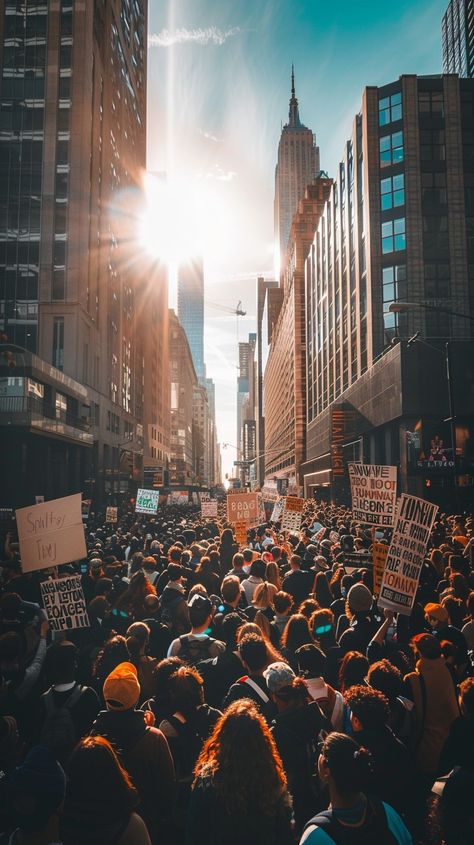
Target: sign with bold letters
[(51, 533)]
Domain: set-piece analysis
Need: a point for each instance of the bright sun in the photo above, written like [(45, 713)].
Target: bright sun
[(174, 223)]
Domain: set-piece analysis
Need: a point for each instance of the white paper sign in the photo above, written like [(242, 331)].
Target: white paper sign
[(147, 501), (51, 533), (277, 511), (413, 522), (64, 603), (374, 493), (243, 507), (209, 508), (291, 521)]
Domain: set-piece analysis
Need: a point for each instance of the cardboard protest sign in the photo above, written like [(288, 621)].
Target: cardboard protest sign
[(243, 507), (379, 559), (64, 603), (111, 514), (293, 503), (277, 512), (147, 501), (292, 514), (413, 522), (51, 533), (374, 493), (209, 508), (357, 560), (240, 532)]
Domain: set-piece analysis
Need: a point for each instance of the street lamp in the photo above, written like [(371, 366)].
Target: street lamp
[(403, 307)]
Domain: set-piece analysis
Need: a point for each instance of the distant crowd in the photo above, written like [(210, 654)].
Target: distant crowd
[(249, 694)]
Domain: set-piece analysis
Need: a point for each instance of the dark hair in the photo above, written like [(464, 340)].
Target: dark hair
[(258, 568), (427, 645), (228, 630), (296, 692), (253, 651), (350, 765), (311, 661), (282, 601), (113, 652), (308, 607), (369, 705), (186, 690), (61, 662), (353, 669), (322, 591), (227, 537), (386, 678), (456, 610), (138, 635), (230, 588), (296, 632), (10, 605)]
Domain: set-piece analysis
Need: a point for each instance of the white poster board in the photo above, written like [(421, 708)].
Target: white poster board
[(277, 511), (64, 603), (209, 508), (374, 493), (147, 501), (51, 533), (413, 522), (243, 507)]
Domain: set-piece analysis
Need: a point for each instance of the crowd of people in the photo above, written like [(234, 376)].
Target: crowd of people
[(227, 693)]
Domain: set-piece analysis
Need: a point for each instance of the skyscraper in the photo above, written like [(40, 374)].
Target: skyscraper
[(191, 310), (457, 30), (72, 150), (297, 165)]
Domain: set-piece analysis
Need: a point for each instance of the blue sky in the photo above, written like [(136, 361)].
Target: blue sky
[(218, 90)]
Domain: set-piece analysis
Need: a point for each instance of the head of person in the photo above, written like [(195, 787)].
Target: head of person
[(138, 635), (253, 653), (230, 590), (35, 790), (308, 606), (296, 632), (456, 610), (113, 652), (176, 573), (152, 604), (246, 768), (149, 564), (227, 537), (10, 607), (311, 661), (321, 623), (161, 676), (247, 555), (272, 573), (228, 630), (386, 678), (295, 562), (369, 708), (359, 600), (61, 662), (353, 670), (344, 766), (286, 690), (186, 691), (264, 595), (322, 591), (121, 688), (283, 602), (436, 616), (200, 611), (257, 568), (99, 789), (426, 646)]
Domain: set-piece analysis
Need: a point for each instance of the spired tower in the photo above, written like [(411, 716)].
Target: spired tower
[(297, 166)]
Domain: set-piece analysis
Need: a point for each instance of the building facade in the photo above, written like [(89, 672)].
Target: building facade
[(285, 371), (191, 310), (297, 165), (457, 34), (183, 381), (262, 287), (397, 233), (72, 150), (203, 434), (245, 391)]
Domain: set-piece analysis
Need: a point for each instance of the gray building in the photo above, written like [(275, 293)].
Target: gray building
[(397, 232), (191, 310), (457, 33)]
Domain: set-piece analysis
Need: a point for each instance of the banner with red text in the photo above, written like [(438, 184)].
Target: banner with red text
[(374, 493)]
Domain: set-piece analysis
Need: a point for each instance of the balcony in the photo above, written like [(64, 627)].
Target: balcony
[(40, 417)]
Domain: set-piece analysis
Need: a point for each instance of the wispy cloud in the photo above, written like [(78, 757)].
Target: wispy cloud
[(202, 36), (218, 174), (209, 136)]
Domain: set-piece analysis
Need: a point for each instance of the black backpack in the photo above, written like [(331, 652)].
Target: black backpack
[(193, 651), (168, 611), (58, 732), (374, 831)]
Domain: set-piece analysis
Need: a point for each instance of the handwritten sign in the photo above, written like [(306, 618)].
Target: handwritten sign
[(277, 511), (292, 514), (241, 532), (209, 508), (51, 533), (379, 559), (64, 603), (413, 522), (243, 507), (374, 493), (111, 514), (147, 501)]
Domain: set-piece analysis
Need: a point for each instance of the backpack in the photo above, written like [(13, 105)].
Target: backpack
[(168, 611), (58, 732), (185, 748), (374, 831), (193, 651)]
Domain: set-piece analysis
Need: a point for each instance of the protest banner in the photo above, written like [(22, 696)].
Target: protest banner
[(292, 513), (147, 501), (357, 560), (374, 493), (277, 511), (243, 507), (51, 533), (293, 503), (205, 497), (209, 508), (240, 532), (413, 522), (64, 603), (379, 559), (111, 514)]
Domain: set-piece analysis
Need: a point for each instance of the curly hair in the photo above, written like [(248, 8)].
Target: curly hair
[(370, 706), (242, 759), (353, 669), (386, 678), (308, 607)]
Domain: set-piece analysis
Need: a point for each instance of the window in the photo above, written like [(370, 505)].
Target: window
[(437, 284), (431, 103), (435, 233), (434, 189), (391, 149), (390, 109), (432, 146), (61, 406), (58, 343), (393, 235), (394, 279), (392, 192)]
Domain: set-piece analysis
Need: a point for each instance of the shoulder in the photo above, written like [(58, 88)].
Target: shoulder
[(397, 826), (314, 835), (136, 832)]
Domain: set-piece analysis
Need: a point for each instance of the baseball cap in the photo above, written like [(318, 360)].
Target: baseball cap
[(437, 611), (199, 602), (278, 675), (121, 687)]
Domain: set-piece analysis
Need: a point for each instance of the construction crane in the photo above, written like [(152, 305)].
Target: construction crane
[(239, 311)]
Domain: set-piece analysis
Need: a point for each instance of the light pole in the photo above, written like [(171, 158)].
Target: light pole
[(403, 307)]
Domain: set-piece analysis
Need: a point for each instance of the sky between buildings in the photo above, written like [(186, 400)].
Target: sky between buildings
[(218, 91)]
